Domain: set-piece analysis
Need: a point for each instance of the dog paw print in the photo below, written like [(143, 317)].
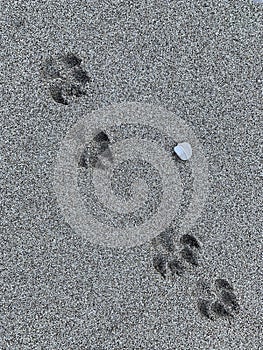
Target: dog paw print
[(218, 302), (97, 154), (171, 259), (66, 77)]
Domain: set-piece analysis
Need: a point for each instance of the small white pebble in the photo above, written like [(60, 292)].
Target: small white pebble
[(183, 150)]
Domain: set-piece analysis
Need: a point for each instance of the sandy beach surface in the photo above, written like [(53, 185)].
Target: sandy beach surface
[(107, 239)]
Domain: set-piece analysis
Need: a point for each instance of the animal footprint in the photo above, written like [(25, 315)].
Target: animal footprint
[(219, 302), (67, 79), (171, 259), (97, 152)]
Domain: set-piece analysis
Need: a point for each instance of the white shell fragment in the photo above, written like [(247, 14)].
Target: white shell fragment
[(183, 150)]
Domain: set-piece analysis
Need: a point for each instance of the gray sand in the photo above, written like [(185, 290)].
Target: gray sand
[(198, 60)]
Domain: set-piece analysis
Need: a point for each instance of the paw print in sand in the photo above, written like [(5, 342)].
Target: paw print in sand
[(218, 302), (171, 259), (97, 154), (66, 78)]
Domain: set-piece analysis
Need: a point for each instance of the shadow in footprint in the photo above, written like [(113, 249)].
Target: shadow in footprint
[(191, 241), (81, 76), (176, 267), (160, 264), (56, 93), (220, 283), (189, 256), (229, 299), (190, 251), (219, 309), (226, 293), (71, 60)]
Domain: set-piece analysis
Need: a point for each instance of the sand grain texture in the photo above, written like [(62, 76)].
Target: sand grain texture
[(62, 60)]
